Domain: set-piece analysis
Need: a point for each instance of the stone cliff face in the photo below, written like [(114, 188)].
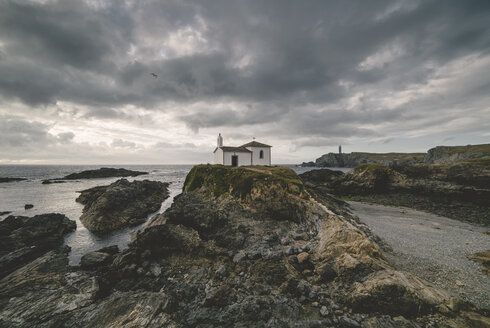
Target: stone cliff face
[(445, 154), (227, 254)]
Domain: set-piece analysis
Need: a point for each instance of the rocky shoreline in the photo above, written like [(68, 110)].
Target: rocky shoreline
[(456, 190), (229, 253)]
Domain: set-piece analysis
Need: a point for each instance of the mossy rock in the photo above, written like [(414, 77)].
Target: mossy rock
[(239, 181), (373, 176), (276, 192)]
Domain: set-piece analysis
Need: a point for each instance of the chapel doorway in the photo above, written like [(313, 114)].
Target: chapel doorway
[(234, 160)]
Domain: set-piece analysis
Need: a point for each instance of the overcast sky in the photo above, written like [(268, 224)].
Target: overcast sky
[(76, 83)]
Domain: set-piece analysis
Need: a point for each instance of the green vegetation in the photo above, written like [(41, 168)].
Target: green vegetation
[(483, 148), (377, 175), (392, 156), (239, 181), (482, 161)]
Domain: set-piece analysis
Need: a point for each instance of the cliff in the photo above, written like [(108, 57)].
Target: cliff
[(439, 154), (356, 158), (446, 154)]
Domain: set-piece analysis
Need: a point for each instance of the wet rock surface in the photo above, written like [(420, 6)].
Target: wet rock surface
[(121, 204), (22, 239), (218, 261)]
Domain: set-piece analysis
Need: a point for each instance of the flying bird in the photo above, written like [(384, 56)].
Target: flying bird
[(154, 75)]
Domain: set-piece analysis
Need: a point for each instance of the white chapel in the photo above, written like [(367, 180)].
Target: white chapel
[(252, 153)]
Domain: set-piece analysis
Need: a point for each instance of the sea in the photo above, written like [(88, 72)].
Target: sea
[(60, 197)]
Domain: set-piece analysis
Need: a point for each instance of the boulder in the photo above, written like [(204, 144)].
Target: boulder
[(395, 292), (94, 260), (165, 240), (121, 204), (28, 206)]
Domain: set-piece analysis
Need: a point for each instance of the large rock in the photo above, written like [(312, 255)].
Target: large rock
[(24, 238), (121, 204)]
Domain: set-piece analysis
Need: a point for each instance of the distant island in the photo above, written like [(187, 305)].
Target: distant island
[(439, 154), (104, 172), (7, 179)]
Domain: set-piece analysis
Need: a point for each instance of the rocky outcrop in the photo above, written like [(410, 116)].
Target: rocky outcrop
[(104, 172), (459, 190), (448, 154), (22, 239), (273, 191), (121, 204), (11, 179), (219, 261), (355, 158)]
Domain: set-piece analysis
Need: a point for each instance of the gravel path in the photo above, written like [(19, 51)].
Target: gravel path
[(432, 247)]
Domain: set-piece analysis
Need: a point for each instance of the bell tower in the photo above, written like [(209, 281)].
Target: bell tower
[(220, 141)]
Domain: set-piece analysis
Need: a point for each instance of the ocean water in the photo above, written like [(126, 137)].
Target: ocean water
[(60, 197)]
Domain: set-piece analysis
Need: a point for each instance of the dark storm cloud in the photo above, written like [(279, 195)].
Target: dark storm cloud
[(64, 32), (21, 135), (298, 63)]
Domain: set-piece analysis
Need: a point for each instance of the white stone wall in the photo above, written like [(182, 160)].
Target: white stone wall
[(218, 156), (256, 160), (243, 158)]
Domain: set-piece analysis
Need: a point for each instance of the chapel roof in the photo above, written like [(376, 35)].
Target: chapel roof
[(255, 144), (235, 149)]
